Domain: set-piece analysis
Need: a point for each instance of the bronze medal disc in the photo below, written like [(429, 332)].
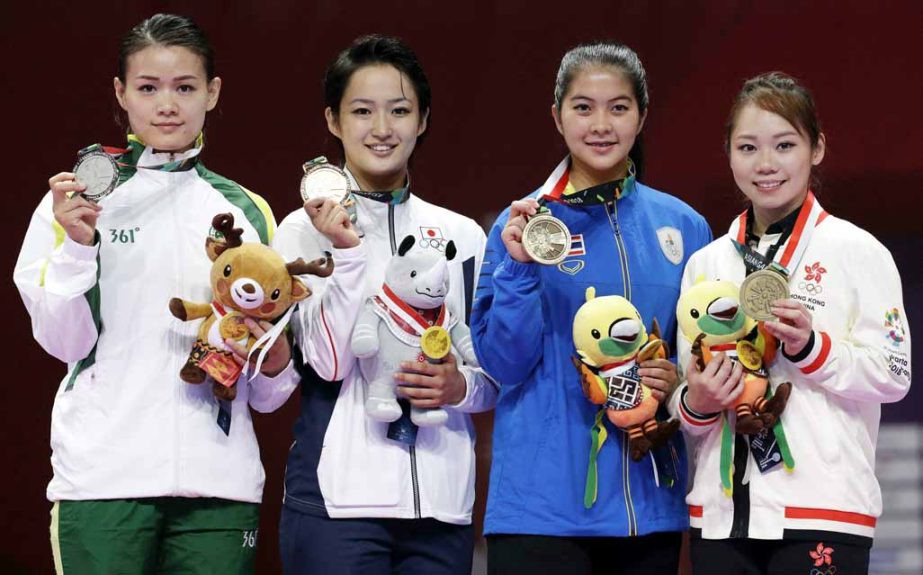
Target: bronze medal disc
[(546, 239), (758, 292)]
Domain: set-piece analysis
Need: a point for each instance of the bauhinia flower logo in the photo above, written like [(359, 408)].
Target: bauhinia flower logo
[(814, 272), (822, 555)]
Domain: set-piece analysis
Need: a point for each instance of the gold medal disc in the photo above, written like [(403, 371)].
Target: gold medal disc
[(748, 355), (435, 343)]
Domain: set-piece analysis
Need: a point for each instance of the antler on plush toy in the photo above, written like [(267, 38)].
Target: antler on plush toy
[(321, 267)]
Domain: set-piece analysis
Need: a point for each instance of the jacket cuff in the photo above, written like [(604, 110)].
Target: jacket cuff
[(814, 355), (692, 417), (79, 252), (519, 269)]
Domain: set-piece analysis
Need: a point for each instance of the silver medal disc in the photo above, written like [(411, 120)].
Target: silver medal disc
[(99, 172), (759, 290), (323, 180), (546, 239)]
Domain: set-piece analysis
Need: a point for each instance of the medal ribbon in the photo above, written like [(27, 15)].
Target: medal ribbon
[(184, 164), (598, 435), (393, 197), (406, 317), (265, 342), (553, 188), (810, 216)]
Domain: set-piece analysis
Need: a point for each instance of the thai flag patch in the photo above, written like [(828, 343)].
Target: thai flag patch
[(577, 247)]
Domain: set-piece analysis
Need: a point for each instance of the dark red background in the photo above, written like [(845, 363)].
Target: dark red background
[(492, 66)]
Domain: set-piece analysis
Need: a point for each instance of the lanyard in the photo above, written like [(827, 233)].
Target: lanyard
[(795, 245)]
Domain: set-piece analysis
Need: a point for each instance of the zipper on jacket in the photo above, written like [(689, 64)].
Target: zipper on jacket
[(178, 339), (391, 229), (613, 219), (620, 245), (412, 451), (415, 481), (626, 485)]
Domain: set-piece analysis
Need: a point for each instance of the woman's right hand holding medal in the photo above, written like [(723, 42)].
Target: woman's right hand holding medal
[(332, 220), (73, 212), (520, 211)]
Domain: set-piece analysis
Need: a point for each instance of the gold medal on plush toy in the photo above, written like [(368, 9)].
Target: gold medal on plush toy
[(435, 343), (546, 239), (324, 180), (759, 290), (748, 355)]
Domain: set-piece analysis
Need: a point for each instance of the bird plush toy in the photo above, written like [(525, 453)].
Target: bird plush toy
[(611, 342), (710, 317), (247, 280)]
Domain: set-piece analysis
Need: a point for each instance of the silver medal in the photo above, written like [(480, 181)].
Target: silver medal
[(324, 180), (99, 172)]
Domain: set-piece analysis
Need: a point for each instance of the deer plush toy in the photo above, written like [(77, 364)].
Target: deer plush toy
[(247, 280)]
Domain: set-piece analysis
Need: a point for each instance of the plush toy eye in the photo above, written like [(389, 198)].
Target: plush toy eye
[(595, 334), (227, 270), (275, 295), (413, 273), (694, 313)]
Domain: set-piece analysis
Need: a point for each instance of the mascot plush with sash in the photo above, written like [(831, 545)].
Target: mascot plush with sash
[(611, 342), (711, 318), (247, 280), (407, 320)]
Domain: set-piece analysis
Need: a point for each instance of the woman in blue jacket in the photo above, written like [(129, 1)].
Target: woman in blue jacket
[(628, 240)]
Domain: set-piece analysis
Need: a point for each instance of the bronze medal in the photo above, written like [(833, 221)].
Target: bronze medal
[(759, 290), (546, 239)]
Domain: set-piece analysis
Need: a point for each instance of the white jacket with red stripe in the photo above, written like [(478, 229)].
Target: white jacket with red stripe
[(859, 358)]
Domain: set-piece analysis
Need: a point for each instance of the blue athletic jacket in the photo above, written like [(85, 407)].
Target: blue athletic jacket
[(522, 320)]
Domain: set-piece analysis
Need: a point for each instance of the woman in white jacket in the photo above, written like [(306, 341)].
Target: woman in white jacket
[(151, 474), (845, 348), (357, 501)]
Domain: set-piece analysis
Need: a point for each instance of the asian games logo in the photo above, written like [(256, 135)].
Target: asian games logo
[(895, 327)]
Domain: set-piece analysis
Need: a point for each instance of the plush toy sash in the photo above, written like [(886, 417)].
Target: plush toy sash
[(402, 320)]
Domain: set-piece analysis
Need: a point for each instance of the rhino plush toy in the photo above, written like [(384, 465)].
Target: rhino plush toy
[(389, 329)]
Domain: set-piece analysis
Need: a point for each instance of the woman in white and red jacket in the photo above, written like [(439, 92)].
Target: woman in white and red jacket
[(844, 346)]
